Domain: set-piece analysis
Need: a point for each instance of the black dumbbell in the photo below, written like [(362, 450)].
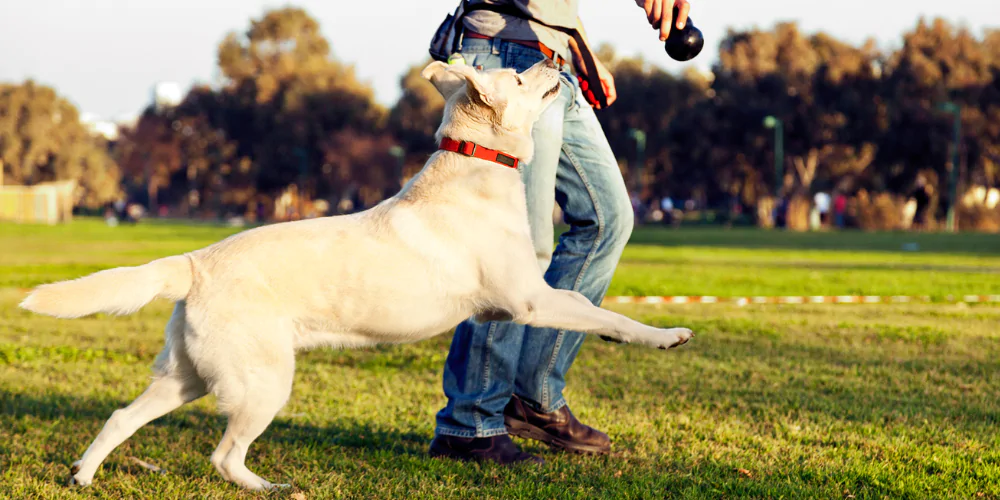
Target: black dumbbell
[(685, 44)]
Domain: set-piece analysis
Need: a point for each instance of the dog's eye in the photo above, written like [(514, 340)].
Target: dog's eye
[(519, 82)]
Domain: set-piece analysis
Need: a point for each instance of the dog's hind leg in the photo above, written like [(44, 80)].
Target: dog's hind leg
[(568, 310), (251, 398), (175, 384)]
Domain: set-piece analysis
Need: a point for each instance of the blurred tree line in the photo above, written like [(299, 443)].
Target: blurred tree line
[(42, 140), (292, 121)]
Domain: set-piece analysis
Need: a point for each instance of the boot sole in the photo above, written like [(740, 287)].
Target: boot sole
[(525, 430)]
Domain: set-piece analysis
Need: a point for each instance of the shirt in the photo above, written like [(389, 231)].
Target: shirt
[(822, 201)]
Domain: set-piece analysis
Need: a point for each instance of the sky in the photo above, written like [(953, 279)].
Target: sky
[(106, 55)]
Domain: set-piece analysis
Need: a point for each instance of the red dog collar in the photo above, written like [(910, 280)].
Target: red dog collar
[(472, 149)]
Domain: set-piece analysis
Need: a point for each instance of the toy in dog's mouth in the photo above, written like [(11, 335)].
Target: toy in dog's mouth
[(551, 91)]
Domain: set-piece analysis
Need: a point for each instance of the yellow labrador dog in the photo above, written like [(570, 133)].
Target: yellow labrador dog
[(452, 244)]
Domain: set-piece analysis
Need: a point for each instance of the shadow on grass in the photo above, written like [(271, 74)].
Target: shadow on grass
[(306, 453), (57, 428), (377, 462), (76, 409)]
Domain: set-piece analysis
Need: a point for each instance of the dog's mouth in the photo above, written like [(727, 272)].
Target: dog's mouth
[(551, 91)]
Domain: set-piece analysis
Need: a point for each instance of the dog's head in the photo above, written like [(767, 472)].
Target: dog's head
[(495, 108)]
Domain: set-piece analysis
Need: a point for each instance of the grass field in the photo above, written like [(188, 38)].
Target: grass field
[(807, 401)]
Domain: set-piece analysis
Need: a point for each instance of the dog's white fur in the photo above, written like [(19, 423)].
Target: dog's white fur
[(453, 244)]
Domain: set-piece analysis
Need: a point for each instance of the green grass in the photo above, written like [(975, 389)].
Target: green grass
[(810, 401)]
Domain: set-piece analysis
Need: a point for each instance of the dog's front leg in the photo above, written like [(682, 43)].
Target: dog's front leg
[(568, 310)]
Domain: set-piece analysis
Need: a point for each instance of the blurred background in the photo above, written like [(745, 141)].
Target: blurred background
[(806, 117), (851, 353)]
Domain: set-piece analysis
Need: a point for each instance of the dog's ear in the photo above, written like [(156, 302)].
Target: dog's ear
[(450, 78)]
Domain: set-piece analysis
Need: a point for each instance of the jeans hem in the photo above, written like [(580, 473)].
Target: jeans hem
[(558, 405), (466, 433)]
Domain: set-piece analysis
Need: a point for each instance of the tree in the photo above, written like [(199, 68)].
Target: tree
[(177, 157), (287, 116), (285, 96), (824, 91), (936, 64), (417, 114), (649, 99), (42, 139)]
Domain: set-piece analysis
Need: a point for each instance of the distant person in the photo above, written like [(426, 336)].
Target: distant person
[(119, 206), (134, 213), (498, 371), (921, 193), (840, 210), (667, 205), (781, 212), (637, 207), (909, 211), (109, 216), (735, 209), (822, 202)]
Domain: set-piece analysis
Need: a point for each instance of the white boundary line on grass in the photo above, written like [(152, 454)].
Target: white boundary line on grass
[(800, 299), (787, 299)]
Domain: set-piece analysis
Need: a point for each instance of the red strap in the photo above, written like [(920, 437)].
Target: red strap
[(472, 149), (588, 94)]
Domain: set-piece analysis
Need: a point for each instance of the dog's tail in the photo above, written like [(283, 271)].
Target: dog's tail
[(122, 290)]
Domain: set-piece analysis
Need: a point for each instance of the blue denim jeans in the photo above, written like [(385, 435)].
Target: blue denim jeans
[(574, 166)]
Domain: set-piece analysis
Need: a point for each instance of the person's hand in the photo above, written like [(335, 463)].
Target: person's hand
[(607, 83), (660, 14)]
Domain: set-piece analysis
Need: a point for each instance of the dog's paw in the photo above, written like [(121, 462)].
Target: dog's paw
[(76, 479), (676, 336), (73, 481)]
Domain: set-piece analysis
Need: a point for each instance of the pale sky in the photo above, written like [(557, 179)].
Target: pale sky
[(105, 55)]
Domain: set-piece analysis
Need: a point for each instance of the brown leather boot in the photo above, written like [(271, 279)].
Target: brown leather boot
[(559, 429)]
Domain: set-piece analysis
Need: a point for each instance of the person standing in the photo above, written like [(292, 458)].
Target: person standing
[(501, 377), (840, 209), (822, 202)]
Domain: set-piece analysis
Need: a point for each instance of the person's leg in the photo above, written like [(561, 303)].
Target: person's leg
[(592, 193), (483, 358)]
